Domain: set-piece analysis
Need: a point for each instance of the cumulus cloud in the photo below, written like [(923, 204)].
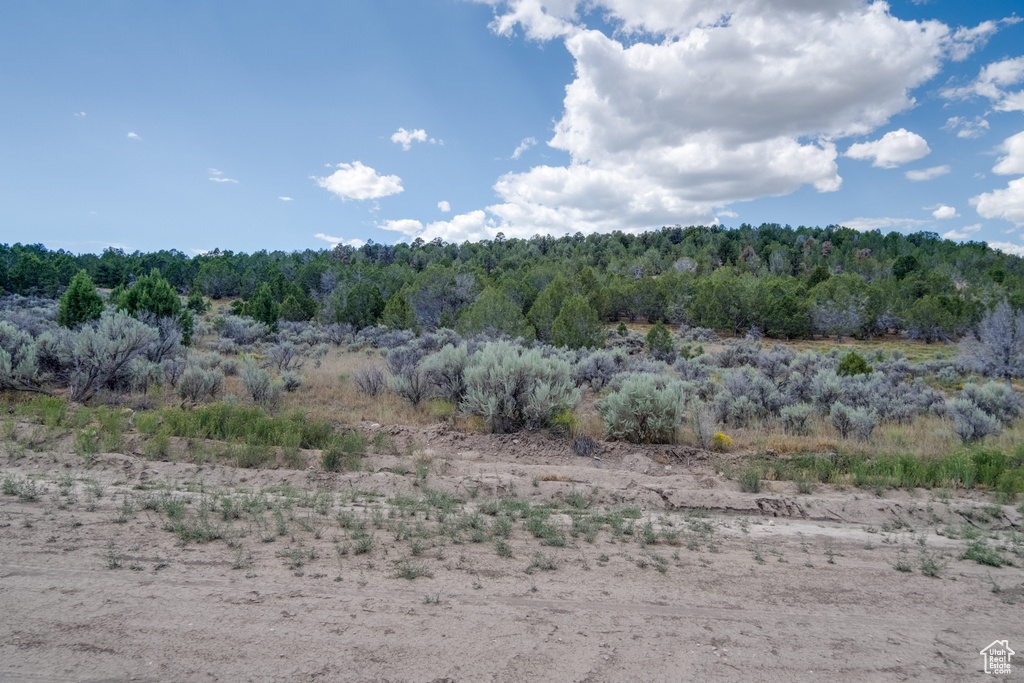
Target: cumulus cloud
[(1008, 248), (967, 128), (133, 136), (894, 148), (965, 233), (405, 138), (927, 173), (992, 82), (680, 109), (526, 144), (80, 114), (444, 206), (885, 224), (356, 181), (944, 212), (1006, 203), (286, 199), (467, 226), (339, 240), (1013, 160)]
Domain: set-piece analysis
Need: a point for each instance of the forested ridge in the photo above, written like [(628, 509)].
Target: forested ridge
[(776, 281)]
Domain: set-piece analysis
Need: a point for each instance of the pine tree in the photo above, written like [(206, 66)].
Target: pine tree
[(80, 303)]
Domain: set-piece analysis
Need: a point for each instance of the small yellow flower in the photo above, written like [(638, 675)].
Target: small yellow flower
[(721, 441)]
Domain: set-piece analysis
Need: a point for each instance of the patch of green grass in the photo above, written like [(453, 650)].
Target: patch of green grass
[(411, 570), (750, 479), (547, 563), (249, 425), (981, 552)]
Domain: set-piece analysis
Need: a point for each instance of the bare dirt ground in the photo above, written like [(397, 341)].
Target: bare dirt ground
[(119, 568)]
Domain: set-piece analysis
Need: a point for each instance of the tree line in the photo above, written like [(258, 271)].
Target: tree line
[(775, 281)]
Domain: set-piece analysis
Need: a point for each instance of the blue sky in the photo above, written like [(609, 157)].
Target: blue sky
[(271, 125)]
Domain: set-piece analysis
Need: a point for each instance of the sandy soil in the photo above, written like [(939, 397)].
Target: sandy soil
[(772, 586)]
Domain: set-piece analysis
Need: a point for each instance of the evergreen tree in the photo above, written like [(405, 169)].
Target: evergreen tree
[(196, 303), (363, 307), (398, 314), (151, 294), (80, 303), (263, 308), (659, 342), (546, 307), (577, 325), (495, 313), (853, 364)]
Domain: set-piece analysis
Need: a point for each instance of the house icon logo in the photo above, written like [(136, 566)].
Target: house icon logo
[(997, 657)]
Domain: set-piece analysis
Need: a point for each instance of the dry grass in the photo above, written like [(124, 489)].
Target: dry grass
[(555, 477), (330, 393)]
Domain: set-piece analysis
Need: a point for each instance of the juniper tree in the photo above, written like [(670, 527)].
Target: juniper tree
[(80, 303), (577, 325), (263, 308)]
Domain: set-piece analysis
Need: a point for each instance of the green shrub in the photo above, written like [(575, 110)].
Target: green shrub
[(80, 303), (853, 364), (970, 422), (196, 384), (795, 418), (750, 479), (513, 388), (643, 410), (659, 343), (577, 325)]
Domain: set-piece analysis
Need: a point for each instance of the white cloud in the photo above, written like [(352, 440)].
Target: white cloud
[(965, 233), (688, 107), (405, 138), (1006, 203), (1013, 161), (526, 144), (944, 212), (967, 40), (727, 214), (444, 206), (1008, 248), (467, 226), (927, 173), (219, 177), (885, 224), (992, 82), (894, 148), (286, 199), (967, 128), (133, 136), (80, 114), (339, 240), (356, 181)]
